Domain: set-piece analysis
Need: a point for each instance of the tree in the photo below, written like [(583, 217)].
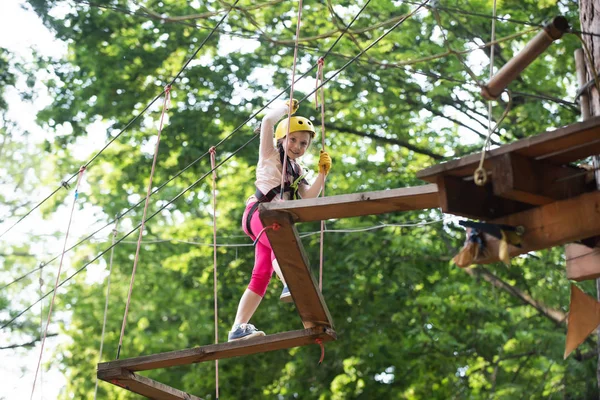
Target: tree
[(410, 325), (589, 24)]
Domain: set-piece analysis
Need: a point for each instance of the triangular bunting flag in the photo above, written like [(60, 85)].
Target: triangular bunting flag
[(584, 317)]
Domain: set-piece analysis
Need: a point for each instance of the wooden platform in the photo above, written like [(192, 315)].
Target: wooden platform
[(288, 248), (121, 372), (145, 386), (359, 204), (521, 175), (532, 185)]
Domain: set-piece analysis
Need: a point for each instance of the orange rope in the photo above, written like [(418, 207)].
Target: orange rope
[(275, 226), (110, 266), (139, 243), (319, 341), (62, 257), (320, 63), (213, 152), (291, 105)]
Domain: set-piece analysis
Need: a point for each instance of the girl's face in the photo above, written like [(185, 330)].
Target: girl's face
[(297, 143)]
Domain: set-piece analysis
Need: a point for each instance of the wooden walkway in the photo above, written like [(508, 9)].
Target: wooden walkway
[(121, 372)]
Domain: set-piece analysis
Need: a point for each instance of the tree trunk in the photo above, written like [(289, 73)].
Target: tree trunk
[(589, 15)]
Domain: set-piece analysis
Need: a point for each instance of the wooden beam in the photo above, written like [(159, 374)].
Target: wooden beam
[(465, 198), (358, 204), (222, 350), (528, 181), (551, 225), (583, 263), (141, 385), (294, 265), (561, 146)]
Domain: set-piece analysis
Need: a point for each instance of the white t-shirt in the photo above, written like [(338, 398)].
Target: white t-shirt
[(269, 168)]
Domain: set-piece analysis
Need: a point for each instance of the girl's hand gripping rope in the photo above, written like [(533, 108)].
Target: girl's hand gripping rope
[(295, 105), (324, 162)]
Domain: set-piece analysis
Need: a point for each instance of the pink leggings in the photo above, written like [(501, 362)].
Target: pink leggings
[(263, 254)]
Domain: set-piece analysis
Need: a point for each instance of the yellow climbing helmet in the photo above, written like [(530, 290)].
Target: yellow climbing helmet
[(297, 124)]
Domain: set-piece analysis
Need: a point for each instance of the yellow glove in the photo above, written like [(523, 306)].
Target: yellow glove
[(324, 162), (295, 105)]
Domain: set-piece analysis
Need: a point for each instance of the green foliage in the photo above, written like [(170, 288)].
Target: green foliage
[(410, 324)]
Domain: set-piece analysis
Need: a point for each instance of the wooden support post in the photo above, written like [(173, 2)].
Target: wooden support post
[(583, 262), (294, 265), (465, 198), (141, 385), (551, 32), (588, 9), (534, 182), (551, 225), (219, 351), (358, 204), (584, 100)]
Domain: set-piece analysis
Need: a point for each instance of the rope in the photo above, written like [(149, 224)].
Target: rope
[(213, 152), (275, 226), (322, 239), (457, 54), (86, 165), (149, 190), (122, 240), (218, 165), (301, 235), (41, 281), (480, 174), (81, 171), (393, 65), (319, 341), (128, 233), (110, 265), (590, 61), (353, 59), (291, 105)]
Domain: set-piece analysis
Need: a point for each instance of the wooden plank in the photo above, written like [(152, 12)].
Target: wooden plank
[(222, 350), (464, 198), (294, 265), (358, 204), (142, 385), (551, 225), (583, 263), (534, 182), (561, 146)]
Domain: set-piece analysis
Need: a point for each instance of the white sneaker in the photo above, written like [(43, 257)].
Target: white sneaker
[(286, 296), (244, 331)]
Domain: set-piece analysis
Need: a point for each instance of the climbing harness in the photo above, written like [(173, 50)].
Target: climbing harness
[(296, 180)]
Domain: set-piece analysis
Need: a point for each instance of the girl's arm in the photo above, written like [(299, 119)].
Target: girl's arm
[(267, 127), (312, 191)]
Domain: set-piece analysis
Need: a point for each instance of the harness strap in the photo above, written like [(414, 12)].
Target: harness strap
[(250, 214)]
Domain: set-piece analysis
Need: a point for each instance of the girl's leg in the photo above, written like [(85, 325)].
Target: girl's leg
[(248, 305), (278, 271), (261, 274), (257, 226)]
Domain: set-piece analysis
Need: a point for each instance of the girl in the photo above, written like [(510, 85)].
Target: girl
[(268, 184)]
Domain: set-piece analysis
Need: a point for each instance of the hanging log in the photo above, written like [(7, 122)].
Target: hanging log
[(552, 31)]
